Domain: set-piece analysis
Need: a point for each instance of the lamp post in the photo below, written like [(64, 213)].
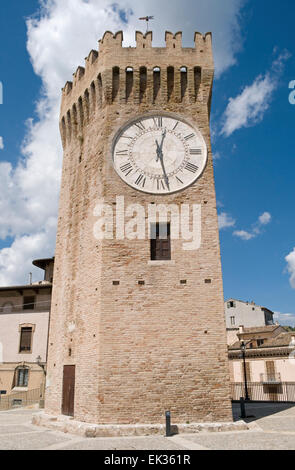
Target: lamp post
[(243, 350), (42, 397)]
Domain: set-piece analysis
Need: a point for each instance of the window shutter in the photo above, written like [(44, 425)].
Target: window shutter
[(160, 242), (26, 339)]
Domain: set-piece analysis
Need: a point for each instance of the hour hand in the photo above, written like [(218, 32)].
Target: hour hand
[(163, 137), (159, 152)]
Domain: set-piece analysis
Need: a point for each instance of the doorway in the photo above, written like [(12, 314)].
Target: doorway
[(68, 394)]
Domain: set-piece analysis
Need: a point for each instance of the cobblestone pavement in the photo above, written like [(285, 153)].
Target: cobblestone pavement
[(272, 428)]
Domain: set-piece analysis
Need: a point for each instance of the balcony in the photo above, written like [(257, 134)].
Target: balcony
[(270, 378)]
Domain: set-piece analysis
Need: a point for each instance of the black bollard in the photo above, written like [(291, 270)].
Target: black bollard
[(243, 410), (168, 424)]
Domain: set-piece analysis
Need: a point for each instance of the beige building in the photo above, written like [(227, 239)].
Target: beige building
[(244, 314), (137, 324), (269, 362), (24, 318)]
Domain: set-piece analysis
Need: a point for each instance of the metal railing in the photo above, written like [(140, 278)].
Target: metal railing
[(265, 391), (20, 399)]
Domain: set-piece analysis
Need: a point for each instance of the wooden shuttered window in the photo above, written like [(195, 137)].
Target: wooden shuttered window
[(270, 369), (160, 242), (26, 339)]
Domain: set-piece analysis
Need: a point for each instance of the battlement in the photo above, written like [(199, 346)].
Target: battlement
[(173, 41), (138, 75)]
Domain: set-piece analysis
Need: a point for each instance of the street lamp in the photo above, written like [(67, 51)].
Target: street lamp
[(243, 350), (38, 360), (42, 391)]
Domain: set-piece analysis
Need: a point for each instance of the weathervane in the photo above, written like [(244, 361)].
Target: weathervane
[(147, 19)]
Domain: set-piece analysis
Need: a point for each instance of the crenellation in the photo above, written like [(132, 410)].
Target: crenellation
[(173, 41), (67, 88), (80, 72), (144, 41), (92, 57), (110, 41)]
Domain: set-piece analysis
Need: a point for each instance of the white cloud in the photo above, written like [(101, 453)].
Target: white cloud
[(265, 218), (249, 107), (244, 235), (291, 267), (225, 221), (1, 143), (285, 319), (256, 229), (59, 37), (16, 261)]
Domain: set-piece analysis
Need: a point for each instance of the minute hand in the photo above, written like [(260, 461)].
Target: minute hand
[(160, 156)]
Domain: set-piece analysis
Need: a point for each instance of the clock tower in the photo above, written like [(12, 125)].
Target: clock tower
[(137, 322)]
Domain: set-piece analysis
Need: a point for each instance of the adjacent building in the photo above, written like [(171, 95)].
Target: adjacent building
[(24, 320), (269, 363), (246, 314)]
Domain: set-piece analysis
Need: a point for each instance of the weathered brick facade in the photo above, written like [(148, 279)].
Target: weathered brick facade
[(139, 350)]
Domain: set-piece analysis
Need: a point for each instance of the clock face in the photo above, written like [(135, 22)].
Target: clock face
[(159, 154)]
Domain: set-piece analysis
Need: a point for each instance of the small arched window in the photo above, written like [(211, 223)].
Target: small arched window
[(75, 119), (21, 376), (129, 82), (157, 82), (197, 80), (69, 125), (116, 82), (87, 103), (99, 87), (142, 82), (81, 112), (170, 82), (93, 96), (183, 72)]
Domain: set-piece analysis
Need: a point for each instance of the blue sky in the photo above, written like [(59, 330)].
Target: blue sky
[(252, 143)]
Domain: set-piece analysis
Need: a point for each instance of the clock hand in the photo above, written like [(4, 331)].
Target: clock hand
[(158, 151), (161, 156), (163, 137), (160, 147)]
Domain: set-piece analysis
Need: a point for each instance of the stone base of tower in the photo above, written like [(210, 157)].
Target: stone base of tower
[(69, 425)]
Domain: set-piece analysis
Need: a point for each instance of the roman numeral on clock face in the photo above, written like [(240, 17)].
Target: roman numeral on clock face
[(122, 152), (127, 169), (179, 180), (140, 126), (141, 181), (190, 136), (191, 167), (195, 151), (158, 121), (160, 185)]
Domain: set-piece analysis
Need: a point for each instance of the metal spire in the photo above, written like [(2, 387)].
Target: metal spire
[(147, 19)]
